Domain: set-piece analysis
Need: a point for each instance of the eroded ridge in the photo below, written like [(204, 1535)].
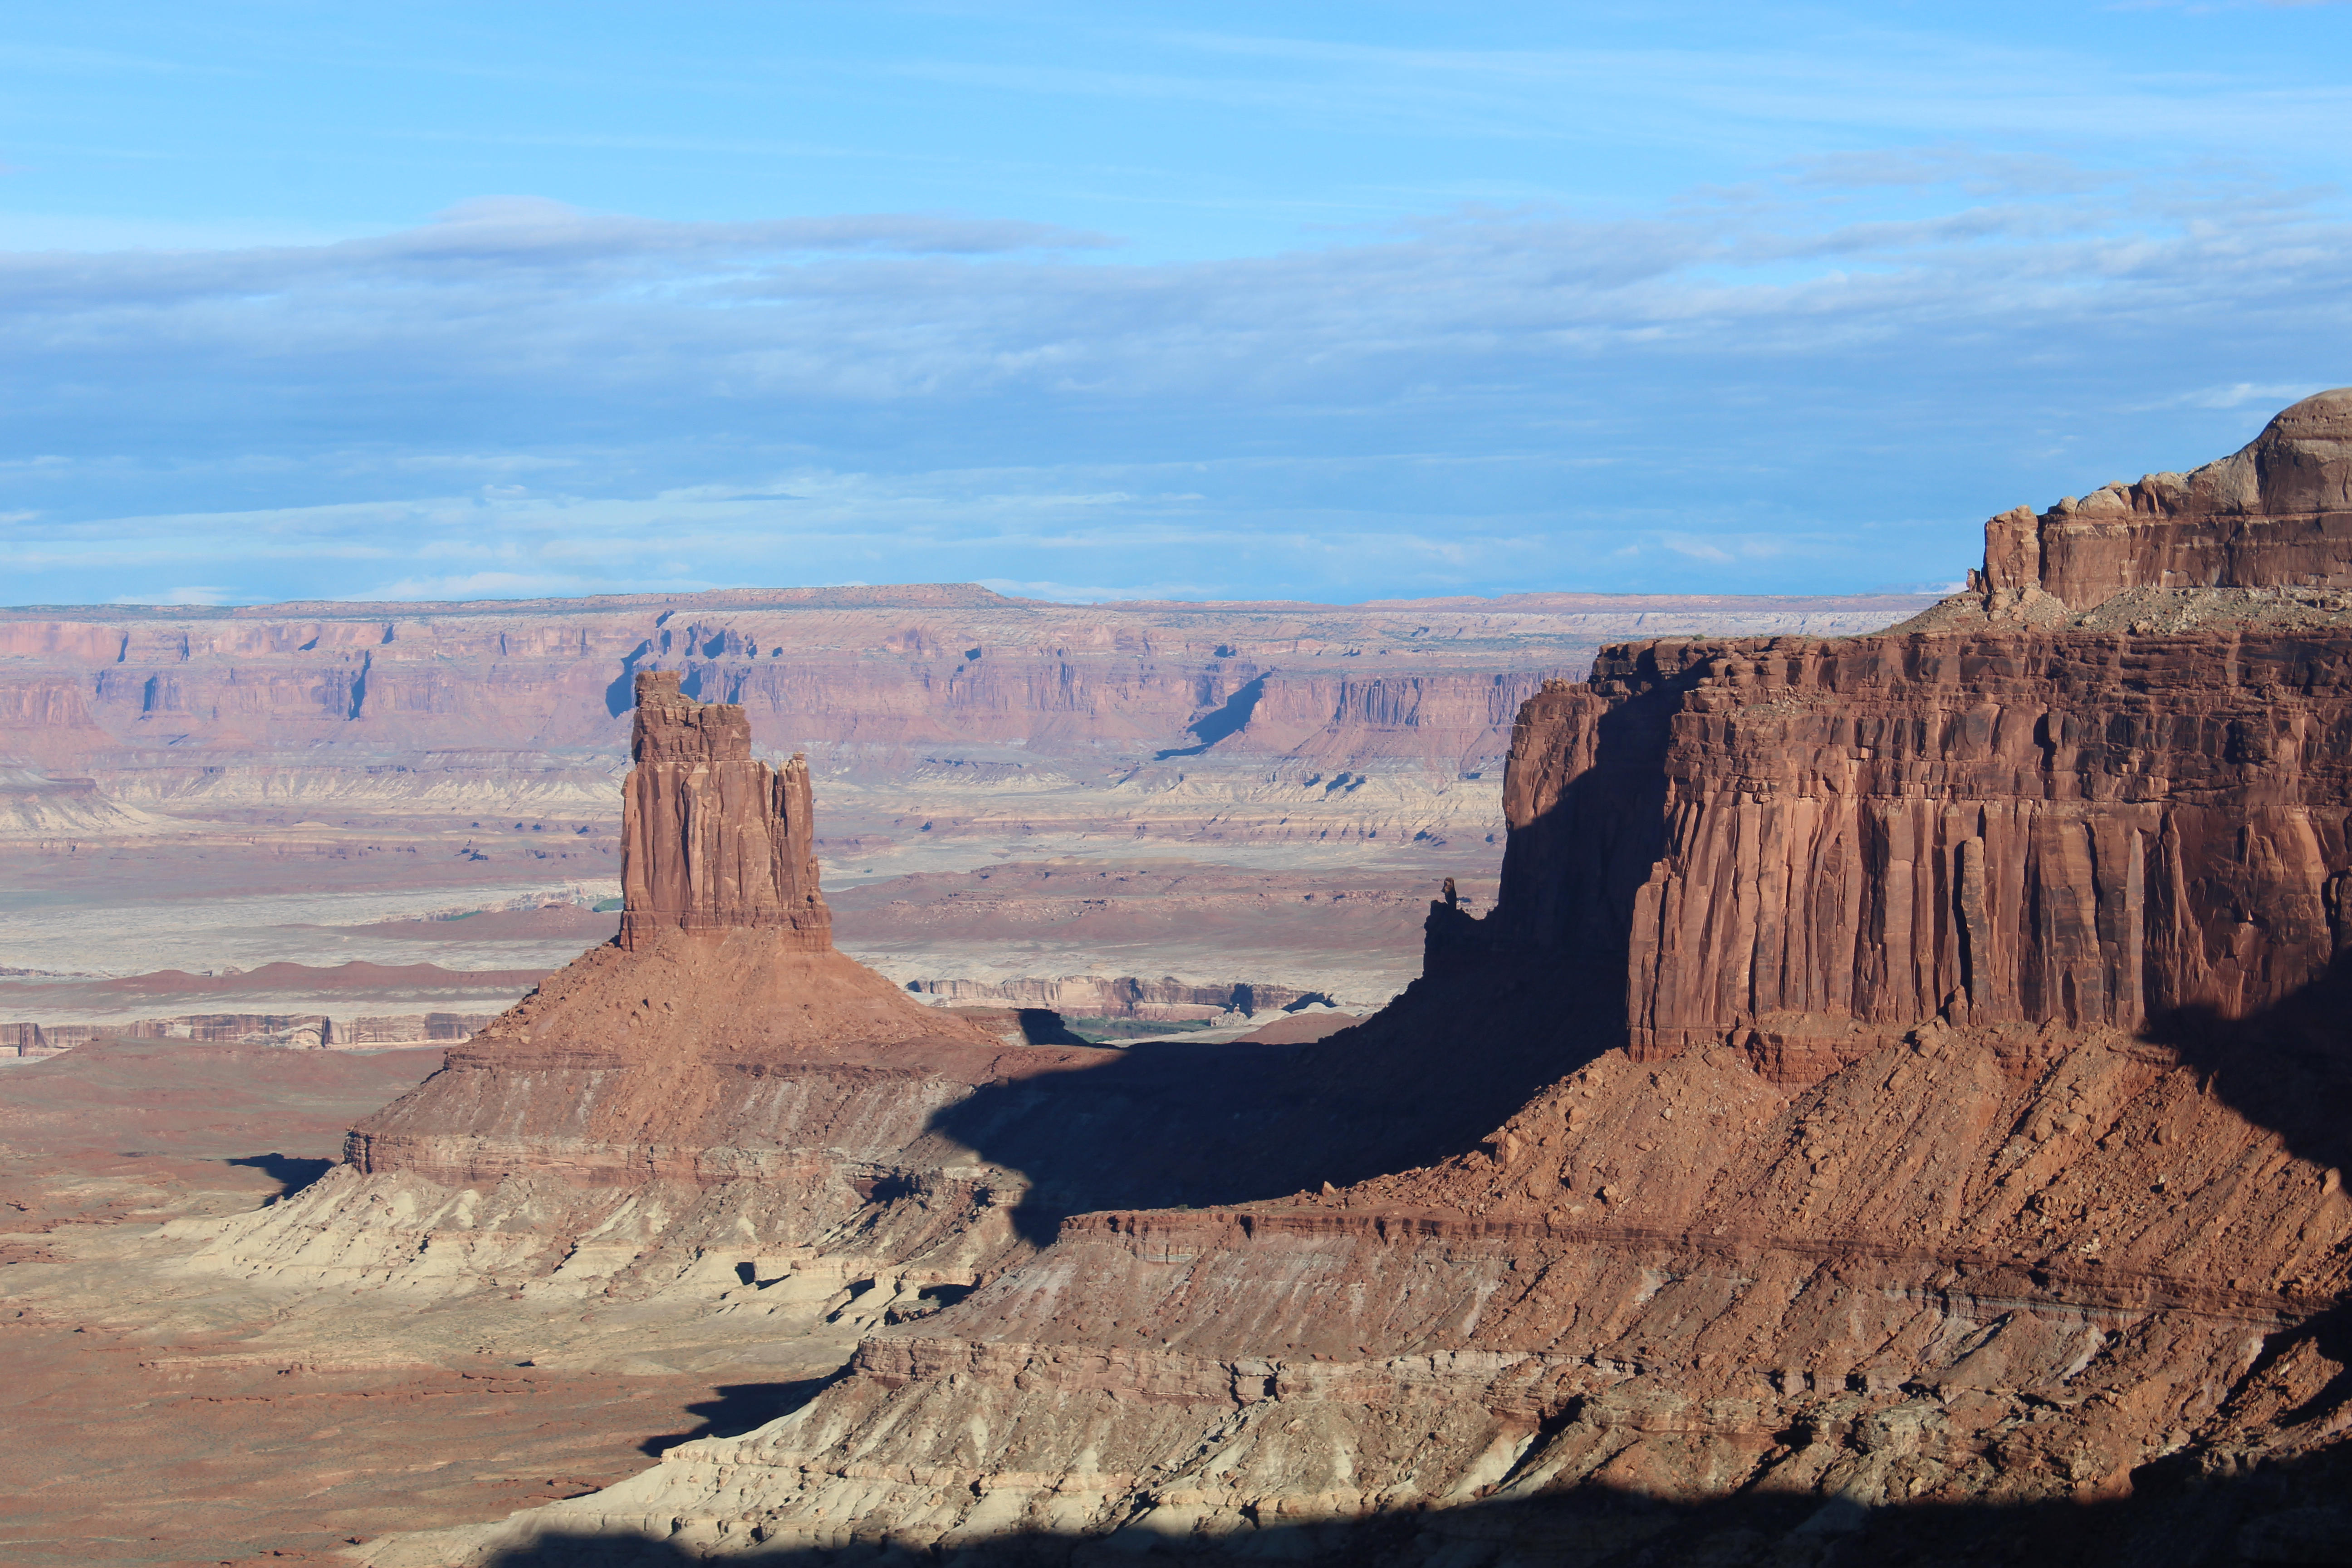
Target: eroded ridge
[(2276, 513)]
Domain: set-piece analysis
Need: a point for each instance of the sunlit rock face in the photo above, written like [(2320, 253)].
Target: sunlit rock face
[(2276, 513), (1853, 838), (1933, 1045), (712, 840)]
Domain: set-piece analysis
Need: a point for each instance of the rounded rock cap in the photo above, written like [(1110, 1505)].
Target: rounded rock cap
[(2322, 416)]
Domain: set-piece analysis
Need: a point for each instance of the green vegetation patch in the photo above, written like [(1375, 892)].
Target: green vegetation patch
[(1107, 1031)]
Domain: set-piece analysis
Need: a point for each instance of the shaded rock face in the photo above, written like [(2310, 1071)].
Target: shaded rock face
[(2277, 514), (1853, 838), (712, 839)]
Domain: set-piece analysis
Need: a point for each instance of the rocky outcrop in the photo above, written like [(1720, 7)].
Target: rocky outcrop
[(1855, 838), (2277, 514), (713, 840), (1935, 1046), (717, 1068), (639, 1060)]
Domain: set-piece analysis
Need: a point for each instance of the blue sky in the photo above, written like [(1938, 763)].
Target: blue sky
[(1305, 300)]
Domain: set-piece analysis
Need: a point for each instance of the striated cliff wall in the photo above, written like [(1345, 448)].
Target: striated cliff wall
[(174, 703), (713, 840), (1853, 837)]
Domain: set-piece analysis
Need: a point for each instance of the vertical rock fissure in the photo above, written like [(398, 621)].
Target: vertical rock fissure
[(1976, 932)]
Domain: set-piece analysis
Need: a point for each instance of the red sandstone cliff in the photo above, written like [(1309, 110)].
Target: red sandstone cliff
[(712, 840), (2276, 513), (1855, 838), (1831, 843), (1947, 1043)]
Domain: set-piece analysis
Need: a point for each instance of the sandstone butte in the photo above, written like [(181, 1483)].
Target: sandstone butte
[(1894, 1112)]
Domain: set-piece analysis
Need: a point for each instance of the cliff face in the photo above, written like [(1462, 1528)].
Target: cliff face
[(712, 840), (946, 698), (1939, 1042), (1855, 838), (140, 695)]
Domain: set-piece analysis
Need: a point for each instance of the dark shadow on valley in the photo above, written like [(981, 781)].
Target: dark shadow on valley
[(2287, 1066), (743, 1407), (2287, 1513), (1506, 1005), (291, 1172), (1229, 719)]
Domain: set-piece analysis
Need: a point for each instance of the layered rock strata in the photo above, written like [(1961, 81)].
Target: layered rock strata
[(2276, 513), (1944, 1042), (711, 838), (1858, 836), (717, 1070)]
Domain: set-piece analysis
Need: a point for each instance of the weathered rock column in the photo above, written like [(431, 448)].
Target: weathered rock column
[(712, 839)]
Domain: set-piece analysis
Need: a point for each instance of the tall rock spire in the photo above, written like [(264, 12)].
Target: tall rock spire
[(712, 839)]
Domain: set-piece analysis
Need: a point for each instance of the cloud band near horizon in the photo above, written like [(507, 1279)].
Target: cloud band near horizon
[(1805, 384)]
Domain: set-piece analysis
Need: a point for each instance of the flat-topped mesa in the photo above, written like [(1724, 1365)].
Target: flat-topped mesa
[(2276, 515), (2006, 811), (713, 840)]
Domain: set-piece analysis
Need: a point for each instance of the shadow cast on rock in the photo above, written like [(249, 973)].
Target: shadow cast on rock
[(2287, 1066), (1506, 1005), (1173, 1125), (291, 1172), (2286, 1512), (743, 1407)]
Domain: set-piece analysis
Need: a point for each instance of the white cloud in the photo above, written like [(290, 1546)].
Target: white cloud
[(2240, 394), (185, 596), (522, 398)]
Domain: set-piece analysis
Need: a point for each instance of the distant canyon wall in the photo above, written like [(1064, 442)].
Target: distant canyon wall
[(314, 1030), (161, 704)]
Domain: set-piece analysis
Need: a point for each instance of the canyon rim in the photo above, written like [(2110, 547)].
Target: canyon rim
[(1899, 1091), (1893, 1108)]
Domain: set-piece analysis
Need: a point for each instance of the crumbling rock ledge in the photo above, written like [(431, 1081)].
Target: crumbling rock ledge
[(2276, 513)]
